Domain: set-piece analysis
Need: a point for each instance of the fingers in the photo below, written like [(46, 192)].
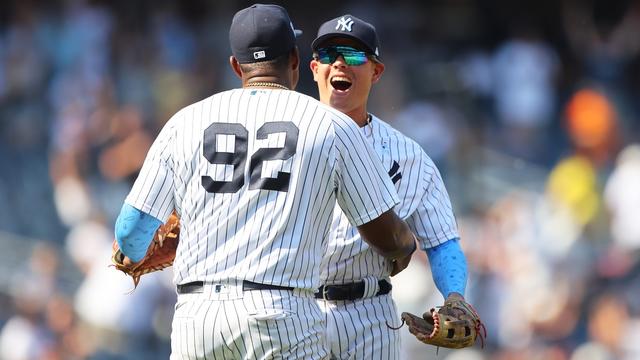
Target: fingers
[(128, 262)]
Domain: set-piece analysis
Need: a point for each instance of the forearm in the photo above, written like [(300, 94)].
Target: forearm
[(134, 231), (404, 243), (448, 267), (389, 236)]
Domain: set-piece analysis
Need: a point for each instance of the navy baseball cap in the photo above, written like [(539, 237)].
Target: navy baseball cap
[(349, 26), (261, 32)]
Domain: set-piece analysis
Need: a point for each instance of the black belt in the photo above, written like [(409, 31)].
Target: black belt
[(353, 291), (198, 287)]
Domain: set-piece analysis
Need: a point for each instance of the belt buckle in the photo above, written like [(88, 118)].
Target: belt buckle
[(325, 292)]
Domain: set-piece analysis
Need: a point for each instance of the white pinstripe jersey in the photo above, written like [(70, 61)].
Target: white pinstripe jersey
[(424, 205), (254, 176)]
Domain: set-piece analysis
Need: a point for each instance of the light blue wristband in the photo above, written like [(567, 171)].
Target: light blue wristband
[(134, 231), (448, 267)]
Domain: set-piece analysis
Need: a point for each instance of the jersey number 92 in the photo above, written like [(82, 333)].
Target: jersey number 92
[(238, 157)]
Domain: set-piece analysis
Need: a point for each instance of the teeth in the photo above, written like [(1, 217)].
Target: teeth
[(341, 78)]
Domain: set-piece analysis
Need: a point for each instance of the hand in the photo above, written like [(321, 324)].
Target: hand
[(120, 258), (453, 298), (160, 253), (400, 264), (126, 261)]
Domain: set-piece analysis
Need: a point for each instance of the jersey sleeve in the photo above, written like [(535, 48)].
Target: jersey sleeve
[(153, 190), (364, 190), (433, 221)]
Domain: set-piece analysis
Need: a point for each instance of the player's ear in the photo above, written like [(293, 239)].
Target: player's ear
[(294, 62), (235, 66), (295, 59), (378, 69), (313, 65)]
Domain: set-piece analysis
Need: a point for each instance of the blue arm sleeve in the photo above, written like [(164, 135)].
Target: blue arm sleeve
[(134, 231), (449, 267)]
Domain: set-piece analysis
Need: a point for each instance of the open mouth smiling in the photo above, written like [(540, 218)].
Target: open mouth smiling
[(340, 83)]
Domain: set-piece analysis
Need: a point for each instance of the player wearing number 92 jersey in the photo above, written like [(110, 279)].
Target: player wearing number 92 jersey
[(254, 175)]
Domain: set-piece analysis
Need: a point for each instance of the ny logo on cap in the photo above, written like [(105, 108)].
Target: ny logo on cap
[(344, 24)]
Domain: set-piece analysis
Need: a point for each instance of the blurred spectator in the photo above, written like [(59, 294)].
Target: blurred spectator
[(601, 34), (22, 338), (25, 336), (525, 70), (591, 351), (622, 198), (592, 124), (576, 182), (119, 319), (608, 318)]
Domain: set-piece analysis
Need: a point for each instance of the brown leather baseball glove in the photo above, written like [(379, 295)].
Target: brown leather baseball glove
[(160, 253), (454, 325)]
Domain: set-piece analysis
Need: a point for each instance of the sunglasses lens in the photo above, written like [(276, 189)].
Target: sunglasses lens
[(326, 57), (352, 56)]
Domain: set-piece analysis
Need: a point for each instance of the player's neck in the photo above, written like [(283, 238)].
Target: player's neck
[(360, 116), (266, 82)]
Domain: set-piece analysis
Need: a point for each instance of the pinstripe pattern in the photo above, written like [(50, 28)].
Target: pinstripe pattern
[(424, 204), (357, 333), (274, 324)]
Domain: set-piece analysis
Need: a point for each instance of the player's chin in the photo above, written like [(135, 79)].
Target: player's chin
[(340, 101), (341, 97)]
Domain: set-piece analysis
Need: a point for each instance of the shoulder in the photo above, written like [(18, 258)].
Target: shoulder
[(338, 123), (196, 109), (339, 118), (191, 109), (412, 150), (397, 138)]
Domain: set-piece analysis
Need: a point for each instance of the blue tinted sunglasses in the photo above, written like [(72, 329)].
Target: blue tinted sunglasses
[(351, 56)]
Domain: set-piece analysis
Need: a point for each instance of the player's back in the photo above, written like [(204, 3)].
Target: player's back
[(254, 185)]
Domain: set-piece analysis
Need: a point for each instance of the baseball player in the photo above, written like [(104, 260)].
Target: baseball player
[(255, 174), (355, 295)]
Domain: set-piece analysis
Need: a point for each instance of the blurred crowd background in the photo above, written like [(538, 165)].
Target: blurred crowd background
[(529, 108)]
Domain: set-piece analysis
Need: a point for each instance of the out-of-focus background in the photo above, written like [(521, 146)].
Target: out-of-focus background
[(529, 108)]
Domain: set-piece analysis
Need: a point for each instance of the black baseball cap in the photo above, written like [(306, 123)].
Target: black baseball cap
[(261, 32), (351, 27)]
